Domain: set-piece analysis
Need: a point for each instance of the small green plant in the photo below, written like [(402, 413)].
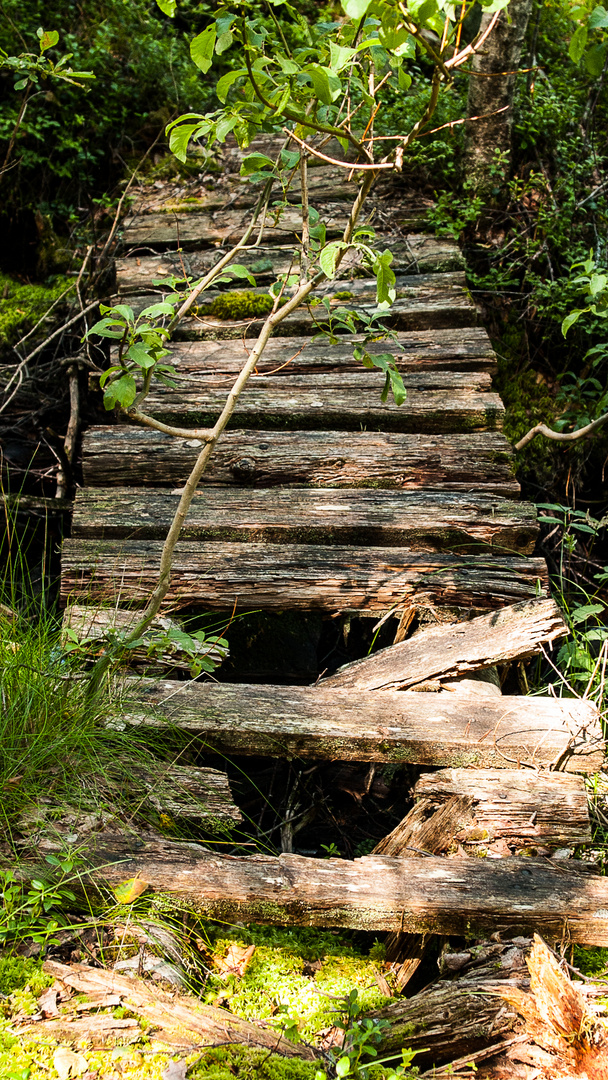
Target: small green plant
[(33, 909)]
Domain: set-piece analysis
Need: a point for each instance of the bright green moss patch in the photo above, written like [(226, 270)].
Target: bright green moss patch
[(21, 306), (295, 976), (226, 1063), (240, 304), (591, 961), (17, 973)]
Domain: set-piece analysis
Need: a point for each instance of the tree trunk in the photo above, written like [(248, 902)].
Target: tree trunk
[(491, 88)]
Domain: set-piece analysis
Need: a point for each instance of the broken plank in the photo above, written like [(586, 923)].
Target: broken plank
[(479, 462), (349, 725), (464, 897), (451, 402), (194, 1022), (416, 254), (516, 805), (339, 516), (293, 576), (93, 627), (447, 651), (419, 350), (186, 792)]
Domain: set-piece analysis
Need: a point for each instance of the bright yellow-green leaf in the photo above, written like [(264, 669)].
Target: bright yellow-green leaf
[(128, 891)]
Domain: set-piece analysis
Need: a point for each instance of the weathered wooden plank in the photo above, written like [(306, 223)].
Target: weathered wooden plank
[(195, 228), (352, 725), (480, 462), (423, 350), (436, 402), (516, 805), (416, 254), (465, 897), (293, 576), (447, 651), (190, 1022), (184, 791), (307, 515), (91, 626)]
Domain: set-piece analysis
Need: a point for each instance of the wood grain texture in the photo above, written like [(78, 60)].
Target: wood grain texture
[(349, 725), (465, 897), (478, 462), (363, 516), (436, 403), (467, 349), (184, 791), (447, 651), (293, 576), (416, 254), (549, 808)]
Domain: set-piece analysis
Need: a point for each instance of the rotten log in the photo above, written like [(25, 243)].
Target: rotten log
[(437, 403), (369, 517), (293, 576), (460, 896), (450, 650), (417, 254), (186, 1020), (345, 725), (479, 462), (458, 1017), (519, 806)]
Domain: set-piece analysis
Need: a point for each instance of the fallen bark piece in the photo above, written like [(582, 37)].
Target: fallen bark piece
[(521, 806), (426, 729), (461, 896), (454, 1018), (194, 1022), (444, 652)]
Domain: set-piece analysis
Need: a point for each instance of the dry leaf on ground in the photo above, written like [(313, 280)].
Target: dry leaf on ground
[(67, 1063), (235, 962)]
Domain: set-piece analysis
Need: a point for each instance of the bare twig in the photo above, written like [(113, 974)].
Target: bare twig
[(560, 436)]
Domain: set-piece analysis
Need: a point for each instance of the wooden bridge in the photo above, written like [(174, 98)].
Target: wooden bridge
[(321, 498)]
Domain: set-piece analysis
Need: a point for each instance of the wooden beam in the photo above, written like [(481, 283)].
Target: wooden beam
[(479, 462), (437, 402), (460, 896), (417, 254), (350, 725), (364, 516), (516, 805), (449, 650), (417, 351), (294, 576)]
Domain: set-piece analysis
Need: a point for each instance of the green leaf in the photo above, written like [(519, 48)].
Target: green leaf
[(288, 67), (421, 10), (224, 42), (48, 38), (120, 392), (570, 320), (385, 280), (156, 310), (577, 45), (179, 139), (226, 82), (254, 163), (355, 9), (326, 85), (343, 1067), (328, 259), (581, 614), (168, 7), (21, 85), (595, 58), (201, 48), (141, 356), (110, 328), (598, 20), (240, 272), (224, 126), (340, 56)]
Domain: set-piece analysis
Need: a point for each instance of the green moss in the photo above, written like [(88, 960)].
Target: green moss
[(591, 961), (280, 977), (17, 973), (343, 295), (228, 1062), (528, 401), (240, 304), (21, 306)]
